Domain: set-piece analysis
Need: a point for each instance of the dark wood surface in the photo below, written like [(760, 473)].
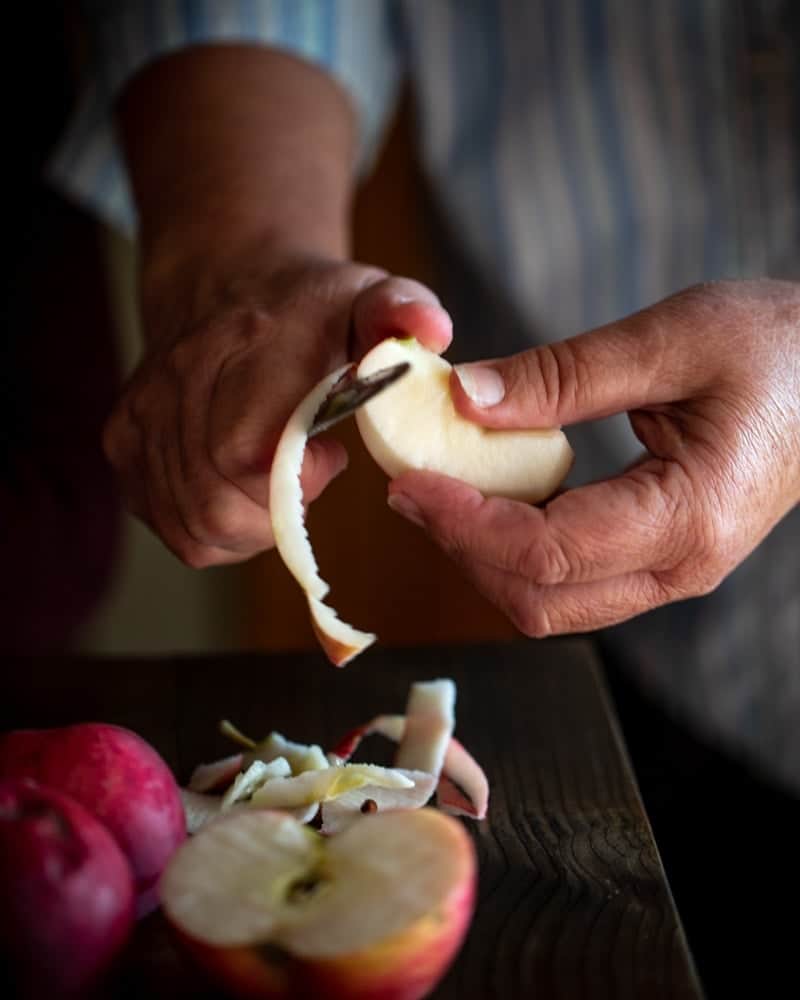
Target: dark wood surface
[(573, 900)]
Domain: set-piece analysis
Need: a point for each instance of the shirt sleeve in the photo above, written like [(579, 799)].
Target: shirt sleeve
[(356, 41)]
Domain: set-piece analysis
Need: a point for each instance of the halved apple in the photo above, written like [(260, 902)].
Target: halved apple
[(272, 909), (413, 424)]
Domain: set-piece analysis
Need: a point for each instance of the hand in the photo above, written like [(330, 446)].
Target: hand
[(230, 354), (711, 382)]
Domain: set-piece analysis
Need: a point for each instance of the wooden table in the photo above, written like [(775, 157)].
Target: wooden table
[(573, 898)]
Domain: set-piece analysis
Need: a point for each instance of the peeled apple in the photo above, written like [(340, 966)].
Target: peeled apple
[(414, 425)]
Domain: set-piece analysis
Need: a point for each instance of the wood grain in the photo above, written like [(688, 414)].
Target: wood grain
[(573, 899)]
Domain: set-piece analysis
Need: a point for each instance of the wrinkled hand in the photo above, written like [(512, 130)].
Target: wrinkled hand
[(710, 379), (229, 356)]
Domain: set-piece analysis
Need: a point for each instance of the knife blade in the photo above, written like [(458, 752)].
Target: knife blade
[(351, 392)]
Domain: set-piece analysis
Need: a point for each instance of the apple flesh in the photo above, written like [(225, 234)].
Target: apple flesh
[(413, 424), (273, 909), (67, 899), (118, 777)]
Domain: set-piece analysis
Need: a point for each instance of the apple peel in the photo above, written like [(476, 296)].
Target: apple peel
[(463, 787), (339, 813), (248, 782), (314, 787), (200, 809), (340, 641), (430, 719), (300, 756), (280, 774), (217, 774)]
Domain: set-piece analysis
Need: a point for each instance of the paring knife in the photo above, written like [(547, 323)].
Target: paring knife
[(350, 392)]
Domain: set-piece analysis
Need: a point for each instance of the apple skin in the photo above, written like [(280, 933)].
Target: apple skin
[(67, 900), (118, 777), (406, 967)]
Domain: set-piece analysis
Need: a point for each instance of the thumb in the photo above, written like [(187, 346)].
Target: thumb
[(401, 307), (644, 360)]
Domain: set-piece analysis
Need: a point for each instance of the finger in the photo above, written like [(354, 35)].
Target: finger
[(159, 507), (219, 450), (162, 515), (399, 307), (238, 428), (246, 465), (223, 489), (324, 459), (540, 612), (638, 521), (650, 358), (215, 511)]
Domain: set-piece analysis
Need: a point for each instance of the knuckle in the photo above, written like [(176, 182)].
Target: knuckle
[(543, 561), (251, 324), (529, 615), (179, 359), (708, 583), (219, 521), (539, 377), (554, 374), (705, 566), (455, 536), (195, 556), (719, 533), (234, 331), (455, 548), (233, 451)]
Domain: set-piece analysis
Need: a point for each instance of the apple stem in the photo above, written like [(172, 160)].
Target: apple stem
[(228, 729)]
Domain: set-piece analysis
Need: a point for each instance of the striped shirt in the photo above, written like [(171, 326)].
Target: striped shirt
[(588, 157)]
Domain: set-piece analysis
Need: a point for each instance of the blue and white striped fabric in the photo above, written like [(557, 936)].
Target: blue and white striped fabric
[(591, 156)]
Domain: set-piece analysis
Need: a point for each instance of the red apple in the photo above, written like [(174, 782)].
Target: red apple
[(270, 908), (67, 899), (118, 777)]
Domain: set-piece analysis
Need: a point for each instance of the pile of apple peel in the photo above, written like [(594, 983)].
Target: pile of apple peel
[(412, 424), (331, 790)]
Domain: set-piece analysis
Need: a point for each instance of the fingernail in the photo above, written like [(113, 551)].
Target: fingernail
[(405, 507), (484, 386), (400, 299), (403, 290)]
